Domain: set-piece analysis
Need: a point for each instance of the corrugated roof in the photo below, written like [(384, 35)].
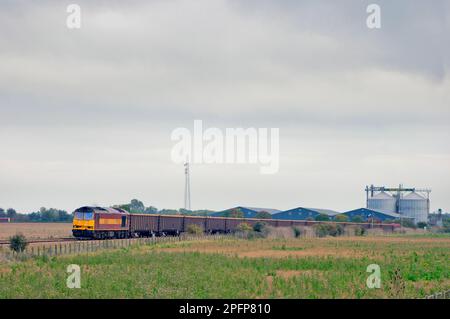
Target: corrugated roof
[(414, 196), (328, 212), (395, 215), (259, 209), (382, 195)]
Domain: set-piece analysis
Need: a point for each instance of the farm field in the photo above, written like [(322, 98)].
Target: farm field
[(36, 230), (411, 267)]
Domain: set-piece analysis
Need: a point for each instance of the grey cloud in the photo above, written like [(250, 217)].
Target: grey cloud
[(138, 69)]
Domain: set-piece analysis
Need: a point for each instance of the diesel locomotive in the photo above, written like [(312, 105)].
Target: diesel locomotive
[(106, 223)]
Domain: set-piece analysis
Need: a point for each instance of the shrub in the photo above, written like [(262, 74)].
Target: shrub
[(18, 243), (243, 227), (323, 230), (234, 213), (357, 219), (360, 231), (408, 223), (341, 218), (336, 230), (194, 229), (260, 227), (322, 218), (421, 225), (263, 215), (297, 232)]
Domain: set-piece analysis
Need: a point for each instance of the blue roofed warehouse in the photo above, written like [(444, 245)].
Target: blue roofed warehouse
[(369, 214), (245, 212), (303, 213)]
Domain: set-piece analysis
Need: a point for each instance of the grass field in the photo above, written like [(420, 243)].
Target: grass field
[(411, 267), (36, 230)]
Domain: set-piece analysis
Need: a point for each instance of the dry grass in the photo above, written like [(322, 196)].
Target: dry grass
[(338, 247), (36, 230)]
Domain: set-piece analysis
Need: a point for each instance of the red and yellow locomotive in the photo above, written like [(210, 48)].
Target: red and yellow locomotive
[(100, 223)]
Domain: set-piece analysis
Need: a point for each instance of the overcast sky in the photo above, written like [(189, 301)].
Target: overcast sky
[(86, 114)]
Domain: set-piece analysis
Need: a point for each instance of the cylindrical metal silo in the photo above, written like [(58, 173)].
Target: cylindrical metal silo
[(415, 206), (383, 202)]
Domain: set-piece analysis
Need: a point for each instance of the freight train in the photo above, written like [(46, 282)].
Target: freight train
[(107, 223)]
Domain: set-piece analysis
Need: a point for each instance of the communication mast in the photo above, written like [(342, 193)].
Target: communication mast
[(187, 187)]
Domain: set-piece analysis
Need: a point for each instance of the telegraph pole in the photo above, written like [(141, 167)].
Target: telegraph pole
[(187, 187)]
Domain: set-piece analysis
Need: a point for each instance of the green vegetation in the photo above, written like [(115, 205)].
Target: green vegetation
[(297, 232), (244, 227), (263, 215), (234, 213), (341, 218), (409, 269), (322, 230), (137, 207), (44, 215), (322, 218), (18, 243), (193, 229), (357, 219)]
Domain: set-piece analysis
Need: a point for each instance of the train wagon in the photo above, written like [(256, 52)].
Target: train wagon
[(216, 225), (144, 225), (284, 223), (200, 221), (170, 225), (232, 224)]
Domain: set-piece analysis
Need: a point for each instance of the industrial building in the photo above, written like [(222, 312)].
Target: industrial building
[(303, 213), (371, 214), (407, 202), (248, 212)]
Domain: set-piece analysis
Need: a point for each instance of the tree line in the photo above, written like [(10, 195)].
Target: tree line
[(137, 207), (43, 215), (53, 215)]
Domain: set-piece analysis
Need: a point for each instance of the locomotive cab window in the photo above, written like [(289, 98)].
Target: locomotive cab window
[(124, 221), (79, 216)]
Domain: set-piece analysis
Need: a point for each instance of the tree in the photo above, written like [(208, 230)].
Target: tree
[(151, 210), (169, 212), (136, 206), (263, 215), (2, 212), (185, 211), (357, 219), (322, 218), (234, 213), (11, 213), (341, 218), (125, 207)]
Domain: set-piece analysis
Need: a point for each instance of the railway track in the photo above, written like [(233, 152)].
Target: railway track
[(48, 240)]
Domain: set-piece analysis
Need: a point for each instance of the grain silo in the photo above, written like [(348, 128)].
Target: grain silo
[(382, 202), (414, 205)]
